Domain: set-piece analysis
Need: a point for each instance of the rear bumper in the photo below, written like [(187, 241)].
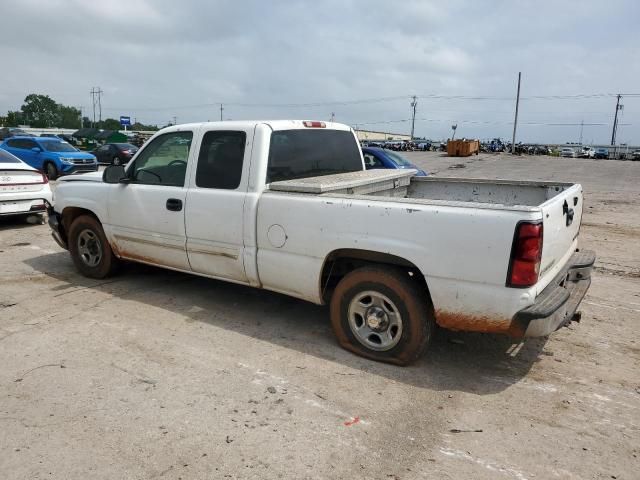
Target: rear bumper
[(23, 207), (57, 232), (557, 304)]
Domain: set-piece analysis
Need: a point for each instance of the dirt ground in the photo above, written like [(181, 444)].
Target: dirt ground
[(156, 374)]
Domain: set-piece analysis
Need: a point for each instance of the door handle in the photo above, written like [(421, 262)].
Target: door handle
[(174, 204)]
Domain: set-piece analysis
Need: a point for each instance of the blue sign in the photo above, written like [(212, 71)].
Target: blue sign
[(125, 121)]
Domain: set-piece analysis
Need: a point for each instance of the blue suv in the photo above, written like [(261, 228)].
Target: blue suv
[(50, 155)]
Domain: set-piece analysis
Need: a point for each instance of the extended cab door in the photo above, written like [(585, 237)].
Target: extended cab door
[(146, 215), (216, 203)]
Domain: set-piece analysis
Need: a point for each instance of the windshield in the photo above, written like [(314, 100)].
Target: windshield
[(125, 146), (6, 157), (399, 159), (311, 153), (53, 146)]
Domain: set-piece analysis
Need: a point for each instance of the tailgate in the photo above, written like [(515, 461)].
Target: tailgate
[(21, 181), (561, 215)]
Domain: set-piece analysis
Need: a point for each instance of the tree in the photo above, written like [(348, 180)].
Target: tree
[(143, 127), (69, 117), (86, 122), (40, 111), (14, 119), (109, 124)]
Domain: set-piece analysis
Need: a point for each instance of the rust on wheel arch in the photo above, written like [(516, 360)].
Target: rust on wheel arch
[(478, 323)]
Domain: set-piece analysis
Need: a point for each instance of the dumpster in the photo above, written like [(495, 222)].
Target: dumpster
[(463, 148)]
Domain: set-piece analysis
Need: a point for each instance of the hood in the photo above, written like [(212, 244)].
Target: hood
[(420, 172), (82, 177), (74, 154)]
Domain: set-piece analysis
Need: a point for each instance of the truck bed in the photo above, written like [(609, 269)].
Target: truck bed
[(402, 185)]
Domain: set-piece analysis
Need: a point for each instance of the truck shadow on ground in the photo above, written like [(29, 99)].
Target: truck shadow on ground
[(474, 363)]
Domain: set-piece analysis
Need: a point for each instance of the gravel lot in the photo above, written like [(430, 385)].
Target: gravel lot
[(156, 374)]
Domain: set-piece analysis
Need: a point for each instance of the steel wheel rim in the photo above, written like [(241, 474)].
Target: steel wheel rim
[(89, 248), (375, 320), (116, 161)]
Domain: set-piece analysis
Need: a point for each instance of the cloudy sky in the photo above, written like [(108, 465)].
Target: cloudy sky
[(361, 60)]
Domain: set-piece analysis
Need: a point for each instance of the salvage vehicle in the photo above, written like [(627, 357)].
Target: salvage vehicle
[(568, 152), (287, 206), (50, 155), (601, 153), (24, 191), (381, 158)]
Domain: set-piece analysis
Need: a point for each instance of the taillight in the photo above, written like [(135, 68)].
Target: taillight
[(525, 255), (45, 179), (310, 124)]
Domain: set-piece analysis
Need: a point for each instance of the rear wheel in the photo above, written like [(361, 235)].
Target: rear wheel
[(380, 313), (116, 161), (90, 250), (51, 170)]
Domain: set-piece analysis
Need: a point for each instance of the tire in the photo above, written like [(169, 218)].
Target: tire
[(90, 250), (368, 337), (51, 170), (115, 161)]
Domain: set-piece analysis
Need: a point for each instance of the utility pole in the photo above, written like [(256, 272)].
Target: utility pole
[(221, 109), (414, 104), (615, 120), (515, 121), (581, 129), (93, 104), (96, 95), (100, 92), (333, 116), (175, 120)]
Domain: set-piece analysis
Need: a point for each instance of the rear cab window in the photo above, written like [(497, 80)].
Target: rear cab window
[(311, 153)]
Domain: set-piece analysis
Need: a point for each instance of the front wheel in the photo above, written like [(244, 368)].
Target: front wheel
[(51, 171), (90, 250), (382, 314)]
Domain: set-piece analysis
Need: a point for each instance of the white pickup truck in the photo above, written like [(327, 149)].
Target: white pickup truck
[(287, 206)]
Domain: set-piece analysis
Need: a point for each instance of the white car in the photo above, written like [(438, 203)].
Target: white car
[(288, 206), (568, 152), (23, 190), (587, 152)]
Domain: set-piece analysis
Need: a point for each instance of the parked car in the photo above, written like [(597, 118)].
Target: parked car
[(7, 132), (381, 158), (601, 153), (423, 145), (61, 136), (50, 155), (587, 152), (24, 191), (296, 212), (115, 153), (568, 152)]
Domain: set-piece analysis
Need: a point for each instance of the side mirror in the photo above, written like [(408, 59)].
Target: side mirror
[(36, 149), (114, 174)]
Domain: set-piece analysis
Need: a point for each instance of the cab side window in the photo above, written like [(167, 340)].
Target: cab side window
[(220, 160), (163, 161)]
